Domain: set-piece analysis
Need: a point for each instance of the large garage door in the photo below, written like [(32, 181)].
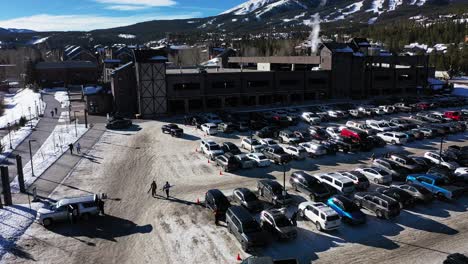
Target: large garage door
[(152, 89)]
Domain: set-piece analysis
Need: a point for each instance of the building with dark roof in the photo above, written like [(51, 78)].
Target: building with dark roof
[(65, 73)]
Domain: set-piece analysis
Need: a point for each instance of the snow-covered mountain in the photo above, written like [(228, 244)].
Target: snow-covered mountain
[(14, 31), (367, 11)]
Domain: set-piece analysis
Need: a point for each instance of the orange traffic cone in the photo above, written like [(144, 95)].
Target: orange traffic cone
[(220, 173), (196, 149), (239, 257), (208, 161), (198, 201)]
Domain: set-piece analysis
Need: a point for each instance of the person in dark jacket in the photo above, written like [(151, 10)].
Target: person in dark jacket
[(71, 148), (217, 216), (166, 188), (153, 188), (101, 206)]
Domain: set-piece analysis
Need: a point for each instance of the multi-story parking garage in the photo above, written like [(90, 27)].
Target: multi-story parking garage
[(338, 71)]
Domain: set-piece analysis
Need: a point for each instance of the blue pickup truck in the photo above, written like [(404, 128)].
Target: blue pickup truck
[(436, 185)]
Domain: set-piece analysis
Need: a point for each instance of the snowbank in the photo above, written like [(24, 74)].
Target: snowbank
[(52, 149), (17, 137), (460, 90), (17, 105), (62, 97), (14, 220)]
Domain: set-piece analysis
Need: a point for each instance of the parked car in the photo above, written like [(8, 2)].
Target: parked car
[(118, 123), (346, 209), (276, 221), (268, 142), (394, 137), (172, 129), (402, 107), (398, 172), (418, 193), (376, 141), (297, 152), (406, 162), (436, 185), (443, 161), (260, 159), (244, 227), (216, 201), (380, 126), (318, 133), (247, 199), (360, 180), (455, 115), (377, 175), (245, 162), (324, 217), (277, 154), (273, 192), (83, 207), (210, 128), (251, 144), (210, 149), (355, 134), (361, 126), (309, 185), (286, 136), (336, 181), (226, 127), (403, 198), (314, 149), (333, 132), (311, 118), (212, 118), (231, 148), (303, 136), (346, 144), (227, 162), (402, 124), (383, 206), (267, 132)]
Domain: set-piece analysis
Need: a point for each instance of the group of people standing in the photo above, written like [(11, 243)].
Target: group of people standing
[(153, 188)]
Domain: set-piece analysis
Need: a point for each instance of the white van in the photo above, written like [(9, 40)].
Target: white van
[(85, 207), (339, 182)]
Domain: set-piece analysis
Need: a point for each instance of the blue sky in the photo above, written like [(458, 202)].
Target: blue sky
[(65, 15)]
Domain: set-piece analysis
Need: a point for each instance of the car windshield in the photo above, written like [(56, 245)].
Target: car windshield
[(301, 150), (349, 206), (244, 158), (215, 147), (282, 221), (400, 136), (250, 227), (278, 151), (348, 184), (422, 189), (261, 157), (249, 196), (383, 125), (255, 143), (393, 206)]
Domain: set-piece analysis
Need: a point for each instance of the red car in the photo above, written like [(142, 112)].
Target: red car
[(454, 115), (423, 106), (354, 134)]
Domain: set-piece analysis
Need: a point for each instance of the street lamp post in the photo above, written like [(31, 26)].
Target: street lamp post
[(9, 134), (284, 181), (30, 156), (30, 116), (440, 150), (37, 110), (76, 131)]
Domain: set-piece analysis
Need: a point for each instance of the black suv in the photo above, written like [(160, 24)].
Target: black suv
[(216, 201), (247, 199), (403, 198), (267, 132), (231, 148), (272, 191), (383, 206), (172, 129), (277, 154), (227, 162), (308, 184), (244, 227), (346, 144)]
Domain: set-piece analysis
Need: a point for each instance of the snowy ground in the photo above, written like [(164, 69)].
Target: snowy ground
[(14, 220), (62, 97), (52, 149), (17, 136), (18, 104)]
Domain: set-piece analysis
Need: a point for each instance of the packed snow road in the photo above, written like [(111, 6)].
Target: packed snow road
[(142, 229)]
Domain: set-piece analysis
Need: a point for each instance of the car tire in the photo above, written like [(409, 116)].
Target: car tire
[(295, 187), (376, 181), (281, 140), (301, 214), (440, 196), (312, 197), (378, 214), (393, 142), (318, 226), (47, 222), (358, 203), (85, 216)]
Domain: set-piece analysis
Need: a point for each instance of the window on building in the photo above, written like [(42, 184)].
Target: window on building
[(256, 84), (317, 81), (382, 78), (222, 85), (186, 86), (289, 82), (405, 77)]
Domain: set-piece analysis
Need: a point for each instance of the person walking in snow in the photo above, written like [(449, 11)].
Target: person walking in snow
[(166, 188), (55, 109), (153, 188), (52, 114), (78, 148), (71, 148), (373, 157)]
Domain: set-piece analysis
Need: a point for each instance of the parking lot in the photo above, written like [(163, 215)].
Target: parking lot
[(140, 228)]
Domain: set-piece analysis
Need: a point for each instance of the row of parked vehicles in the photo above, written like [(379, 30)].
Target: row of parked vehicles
[(340, 196)]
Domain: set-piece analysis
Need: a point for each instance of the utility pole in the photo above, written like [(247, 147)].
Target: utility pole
[(76, 131), (31, 156)]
